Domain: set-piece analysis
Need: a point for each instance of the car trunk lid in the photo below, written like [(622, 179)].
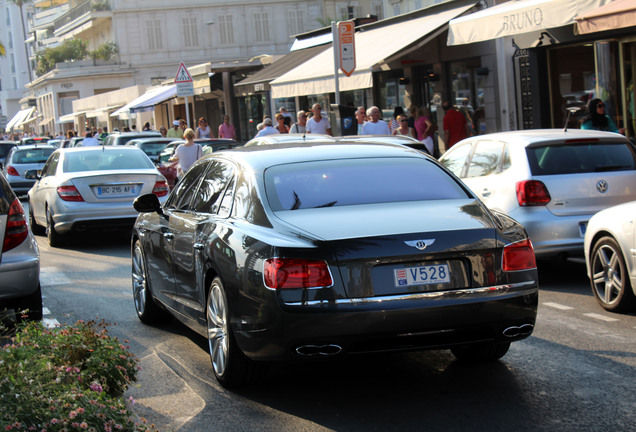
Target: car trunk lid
[(404, 248)]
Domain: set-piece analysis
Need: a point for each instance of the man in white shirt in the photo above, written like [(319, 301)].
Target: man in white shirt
[(318, 124), (267, 128), (89, 141), (375, 126)]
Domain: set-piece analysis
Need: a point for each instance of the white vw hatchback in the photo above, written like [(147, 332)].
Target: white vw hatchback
[(551, 181)]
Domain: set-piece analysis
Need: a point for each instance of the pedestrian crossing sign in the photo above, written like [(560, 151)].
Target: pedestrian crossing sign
[(183, 76)]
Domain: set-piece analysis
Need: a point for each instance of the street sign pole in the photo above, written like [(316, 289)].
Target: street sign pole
[(185, 87), (336, 59)]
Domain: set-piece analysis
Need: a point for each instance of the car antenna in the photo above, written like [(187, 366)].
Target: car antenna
[(571, 111)]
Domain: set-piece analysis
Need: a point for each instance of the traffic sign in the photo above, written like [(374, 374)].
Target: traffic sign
[(347, 46), (185, 89), (183, 76)]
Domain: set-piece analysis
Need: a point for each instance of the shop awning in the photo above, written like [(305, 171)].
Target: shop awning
[(20, 118), (147, 101), (615, 15), (516, 17), (70, 118), (375, 46), (100, 111), (276, 69), (30, 117)]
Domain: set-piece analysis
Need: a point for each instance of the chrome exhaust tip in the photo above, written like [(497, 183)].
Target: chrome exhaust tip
[(515, 331), (318, 350)]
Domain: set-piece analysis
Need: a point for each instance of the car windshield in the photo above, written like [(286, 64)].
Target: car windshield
[(358, 181), (31, 156), (582, 157), (152, 149), (105, 160)]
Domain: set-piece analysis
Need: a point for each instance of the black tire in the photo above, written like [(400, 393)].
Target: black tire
[(610, 278), (231, 367), (29, 308), (147, 309), (481, 352), (35, 228), (55, 238)]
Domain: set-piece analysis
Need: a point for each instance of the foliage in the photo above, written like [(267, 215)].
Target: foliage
[(66, 379), (72, 49), (106, 51)]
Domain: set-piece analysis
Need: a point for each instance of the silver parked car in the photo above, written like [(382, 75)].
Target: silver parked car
[(609, 255), (85, 188), (22, 159), (19, 258), (551, 181)]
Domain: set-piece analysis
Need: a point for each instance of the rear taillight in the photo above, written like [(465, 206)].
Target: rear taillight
[(12, 171), (69, 193), (17, 229), (161, 188), (519, 256), (286, 273), (532, 193)]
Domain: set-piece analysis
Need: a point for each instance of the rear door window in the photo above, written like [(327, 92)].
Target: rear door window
[(585, 157), (455, 160)]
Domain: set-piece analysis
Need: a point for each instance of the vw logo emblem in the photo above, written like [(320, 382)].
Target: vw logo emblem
[(420, 244), (602, 186)]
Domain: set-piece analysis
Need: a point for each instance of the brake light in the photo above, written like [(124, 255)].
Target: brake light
[(532, 193), (12, 171), (69, 193), (287, 273), (519, 256), (17, 229), (161, 188)]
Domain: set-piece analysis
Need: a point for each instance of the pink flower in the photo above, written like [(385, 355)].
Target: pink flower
[(96, 387)]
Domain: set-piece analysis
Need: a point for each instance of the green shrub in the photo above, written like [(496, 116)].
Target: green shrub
[(66, 379)]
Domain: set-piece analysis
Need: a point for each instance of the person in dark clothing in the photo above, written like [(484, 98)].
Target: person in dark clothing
[(595, 117)]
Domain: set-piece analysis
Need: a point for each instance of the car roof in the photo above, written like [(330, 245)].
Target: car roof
[(277, 138), (99, 148), (262, 157), (152, 139), (538, 136)]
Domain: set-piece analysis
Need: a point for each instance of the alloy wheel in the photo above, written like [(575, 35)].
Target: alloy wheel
[(218, 330)]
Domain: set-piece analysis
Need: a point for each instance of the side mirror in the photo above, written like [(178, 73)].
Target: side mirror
[(33, 175), (148, 203)]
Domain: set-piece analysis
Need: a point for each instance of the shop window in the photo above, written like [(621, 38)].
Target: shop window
[(467, 91)]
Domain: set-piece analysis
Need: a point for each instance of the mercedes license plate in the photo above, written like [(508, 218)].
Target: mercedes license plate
[(422, 275), (116, 190)]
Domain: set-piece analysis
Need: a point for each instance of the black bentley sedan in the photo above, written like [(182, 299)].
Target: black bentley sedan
[(323, 249)]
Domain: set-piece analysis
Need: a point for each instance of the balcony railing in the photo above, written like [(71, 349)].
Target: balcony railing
[(81, 10)]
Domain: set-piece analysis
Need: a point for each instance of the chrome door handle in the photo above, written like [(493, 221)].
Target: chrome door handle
[(199, 246), (168, 236)]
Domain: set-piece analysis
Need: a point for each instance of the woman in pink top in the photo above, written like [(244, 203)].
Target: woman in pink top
[(226, 129), (423, 127)]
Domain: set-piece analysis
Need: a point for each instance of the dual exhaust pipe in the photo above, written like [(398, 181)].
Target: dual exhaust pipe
[(515, 331)]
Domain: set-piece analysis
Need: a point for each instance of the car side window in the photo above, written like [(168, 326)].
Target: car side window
[(51, 165), (185, 190), (216, 179), (486, 159), (455, 160)]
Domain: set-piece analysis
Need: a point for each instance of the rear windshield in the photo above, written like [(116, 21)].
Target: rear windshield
[(105, 160), (357, 181), (31, 156), (580, 158)]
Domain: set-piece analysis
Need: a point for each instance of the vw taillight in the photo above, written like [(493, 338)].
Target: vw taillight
[(286, 273), (17, 229), (532, 193), (519, 256)]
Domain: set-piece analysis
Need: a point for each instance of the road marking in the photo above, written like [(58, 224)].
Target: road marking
[(53, 276), (50, 322), (557, 306), (600, 317)]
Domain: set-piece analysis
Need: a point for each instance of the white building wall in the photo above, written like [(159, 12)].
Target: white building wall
[(13, 66)]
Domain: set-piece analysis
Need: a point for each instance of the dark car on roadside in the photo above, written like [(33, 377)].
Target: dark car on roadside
[(153, 147), (121, 138), (5, 147), (296, 252), (19, 259)]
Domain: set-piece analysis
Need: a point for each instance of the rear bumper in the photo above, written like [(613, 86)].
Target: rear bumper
[(20, 271), (552, 235), (393, 323), (19, 185)]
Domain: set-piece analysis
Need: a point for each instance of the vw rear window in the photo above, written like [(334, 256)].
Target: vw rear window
[(358, 181), (578, 158)]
